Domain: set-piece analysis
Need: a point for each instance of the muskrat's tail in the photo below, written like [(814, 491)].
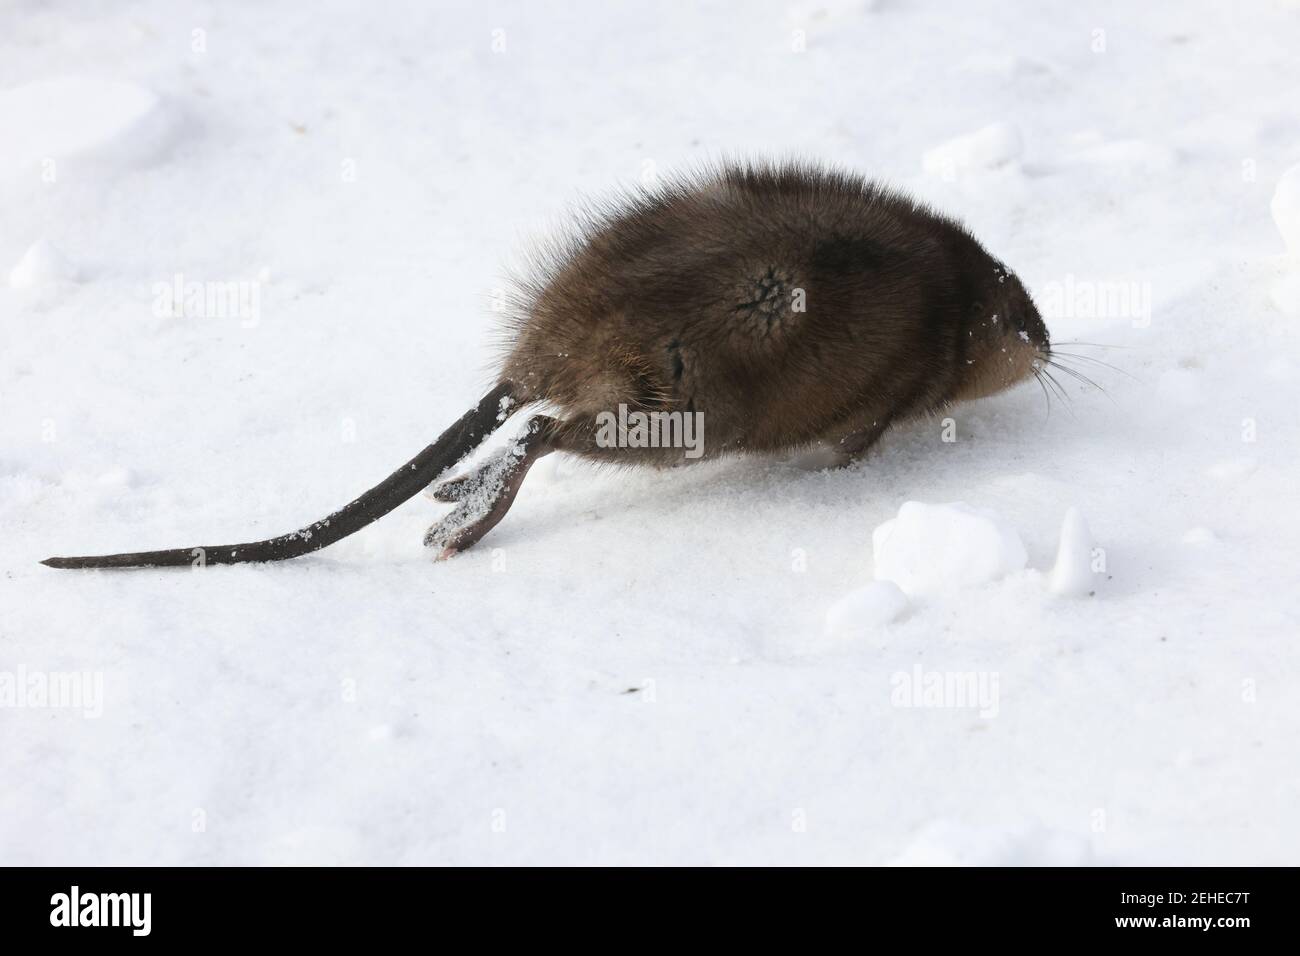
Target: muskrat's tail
[(452, 445)]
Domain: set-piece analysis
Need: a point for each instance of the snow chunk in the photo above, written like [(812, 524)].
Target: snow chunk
[(42, 265), (1200, 535), (1286, 209), (947, 843), (929, 549), (1286, 295), (858, 611), (79, 117), (988, 148), (1072, 573)]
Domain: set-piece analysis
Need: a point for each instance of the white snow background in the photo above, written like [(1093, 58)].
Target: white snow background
[(636, 666)]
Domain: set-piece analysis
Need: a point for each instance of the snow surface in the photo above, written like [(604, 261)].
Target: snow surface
[(632, 667)]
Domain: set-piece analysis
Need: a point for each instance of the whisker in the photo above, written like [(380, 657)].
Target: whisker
[(1094, 361), (1060, 392), (1077, 375), (1038, 377)]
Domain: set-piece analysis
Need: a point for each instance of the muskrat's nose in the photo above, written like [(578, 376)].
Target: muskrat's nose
[(1033, 329)]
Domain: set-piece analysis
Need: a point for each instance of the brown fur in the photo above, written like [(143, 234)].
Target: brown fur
[(681, 299)]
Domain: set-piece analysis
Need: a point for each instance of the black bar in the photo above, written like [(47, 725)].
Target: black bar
[(336, 907)]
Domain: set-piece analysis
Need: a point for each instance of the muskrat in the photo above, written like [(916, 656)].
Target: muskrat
[(782, 305)]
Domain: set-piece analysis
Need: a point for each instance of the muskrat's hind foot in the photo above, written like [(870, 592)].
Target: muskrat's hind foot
[(483, 496), (453, 489)]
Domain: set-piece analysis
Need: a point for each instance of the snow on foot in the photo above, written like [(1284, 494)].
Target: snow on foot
[(477, 494), (452, 489)]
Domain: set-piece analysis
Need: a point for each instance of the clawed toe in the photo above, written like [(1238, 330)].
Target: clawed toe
[(462, 528), (483, 496), (451, 490)]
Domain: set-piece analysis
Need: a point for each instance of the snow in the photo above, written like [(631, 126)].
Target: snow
[(928, 550), (864, 608), (986, 148), (1200, 535), (42, 265), (1285, 207), (80, 119), (1072, 574), (950, 843), (633, 666), (1286, 295)]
